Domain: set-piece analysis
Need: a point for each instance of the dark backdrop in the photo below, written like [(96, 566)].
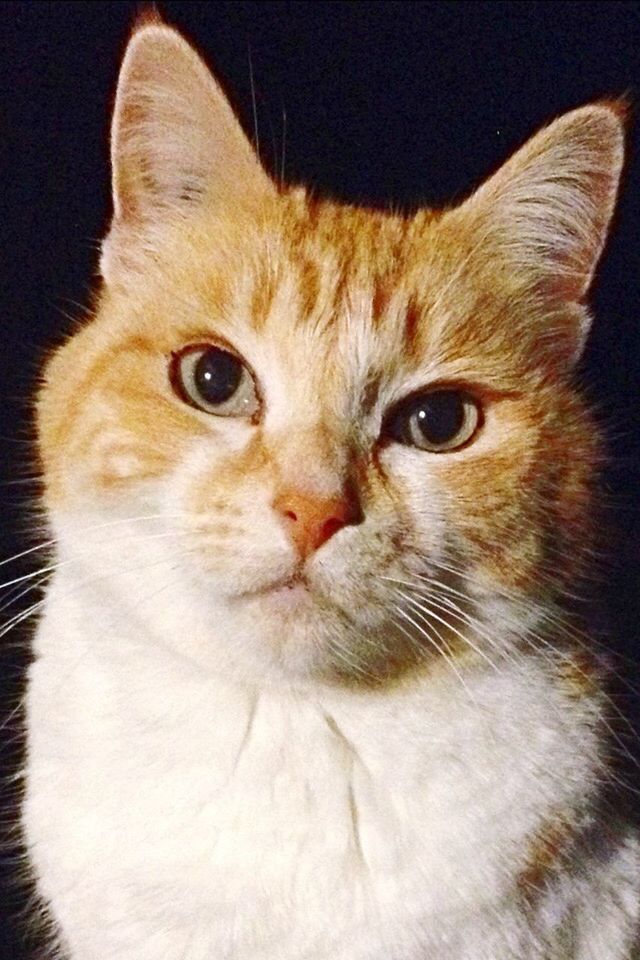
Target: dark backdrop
[(401, 103)]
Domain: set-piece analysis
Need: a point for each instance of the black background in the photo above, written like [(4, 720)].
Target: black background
[(401, 103)]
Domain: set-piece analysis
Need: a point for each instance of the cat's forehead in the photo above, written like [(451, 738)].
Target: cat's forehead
[(330, 301), (335, 283)]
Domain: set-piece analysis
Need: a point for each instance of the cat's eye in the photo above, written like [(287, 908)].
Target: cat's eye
[(438, 421), (214, 380)]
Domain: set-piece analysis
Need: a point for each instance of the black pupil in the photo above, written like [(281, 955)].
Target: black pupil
[(440, 416), (217, 376)]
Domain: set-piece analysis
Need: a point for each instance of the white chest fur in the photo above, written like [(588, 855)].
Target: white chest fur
[(174, 815)]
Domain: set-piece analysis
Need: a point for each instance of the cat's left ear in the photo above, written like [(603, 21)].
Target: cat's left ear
[(546, 212), (175, 144)]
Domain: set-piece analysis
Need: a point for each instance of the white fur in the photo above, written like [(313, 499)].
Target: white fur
[(178, 812)]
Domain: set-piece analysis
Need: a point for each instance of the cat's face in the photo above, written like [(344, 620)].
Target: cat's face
[(351, 429)]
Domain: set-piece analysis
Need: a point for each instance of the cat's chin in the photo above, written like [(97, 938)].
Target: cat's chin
[(299, 629), (290, 626)]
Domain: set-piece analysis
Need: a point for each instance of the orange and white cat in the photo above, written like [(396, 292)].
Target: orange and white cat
[(308, 684)]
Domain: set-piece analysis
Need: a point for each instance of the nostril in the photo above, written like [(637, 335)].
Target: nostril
[(331, 526), (291, 515)]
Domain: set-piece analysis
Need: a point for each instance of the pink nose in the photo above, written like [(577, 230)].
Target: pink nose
[(313, 520)]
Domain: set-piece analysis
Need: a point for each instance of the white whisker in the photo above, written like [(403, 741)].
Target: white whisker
[(99, 526), (453, 629), (429, 638), (23, 615)]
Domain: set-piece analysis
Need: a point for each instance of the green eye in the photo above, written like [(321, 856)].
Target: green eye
[(439, 421), (214, 380)]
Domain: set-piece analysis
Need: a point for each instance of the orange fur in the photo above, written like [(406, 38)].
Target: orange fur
[(355, 309)]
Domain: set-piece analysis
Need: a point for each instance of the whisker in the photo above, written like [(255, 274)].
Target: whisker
[(22, 593), (20, 617), (429, 638), (453, 629), (70, 560), (253, 102), (34, 608), (542, 612), (91, 528), (284, 139), (342, 653)]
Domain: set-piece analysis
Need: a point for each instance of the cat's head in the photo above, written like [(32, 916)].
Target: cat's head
[(353, 434)]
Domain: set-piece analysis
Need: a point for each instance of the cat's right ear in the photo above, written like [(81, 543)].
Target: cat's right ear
[(175, 145)]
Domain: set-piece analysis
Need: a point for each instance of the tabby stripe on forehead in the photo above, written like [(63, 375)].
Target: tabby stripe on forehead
[(262, 296), (309, 285), (412, 318), (341, 285), (380, 300)]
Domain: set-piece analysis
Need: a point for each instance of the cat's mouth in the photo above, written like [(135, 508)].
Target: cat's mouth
[(287, 589)]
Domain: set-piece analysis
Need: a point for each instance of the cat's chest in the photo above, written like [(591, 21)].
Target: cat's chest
[(241, 821), (247, 822), (259, 789)]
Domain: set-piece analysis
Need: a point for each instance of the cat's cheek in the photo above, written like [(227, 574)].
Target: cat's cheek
[(421, 498), (231, 535), (493, 511)]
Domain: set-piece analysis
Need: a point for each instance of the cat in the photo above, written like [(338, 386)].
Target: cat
[(309, 683)]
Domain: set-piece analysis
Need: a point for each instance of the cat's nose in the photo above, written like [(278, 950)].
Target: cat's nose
[(312, 520)]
